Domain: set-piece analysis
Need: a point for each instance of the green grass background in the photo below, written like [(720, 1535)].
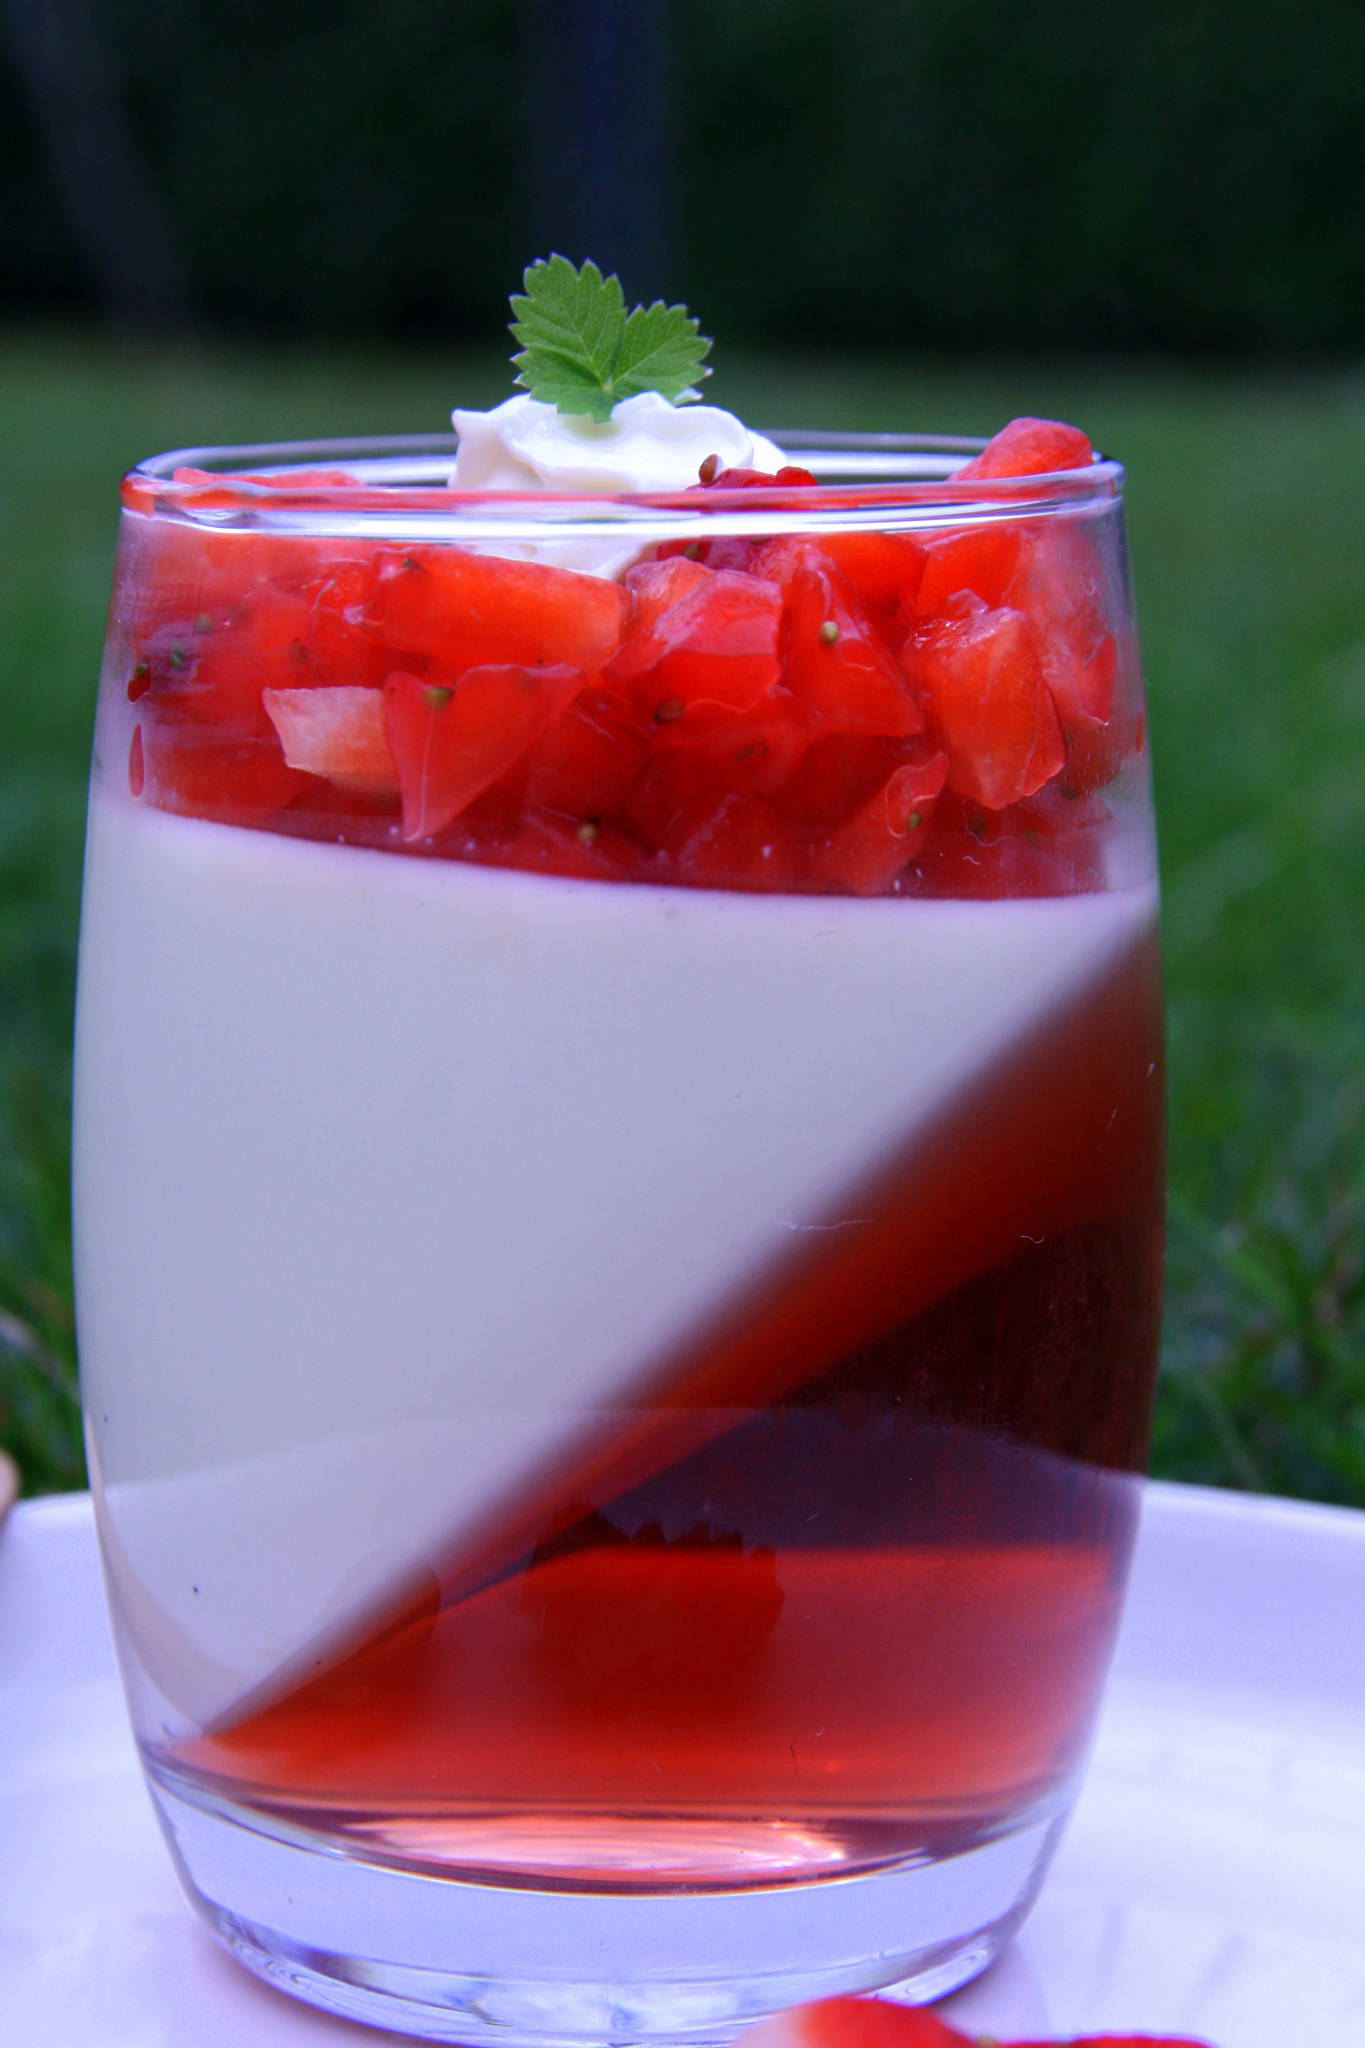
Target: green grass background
[(1246, 524)]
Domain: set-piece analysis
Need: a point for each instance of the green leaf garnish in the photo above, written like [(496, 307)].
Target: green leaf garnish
[(581, 351)]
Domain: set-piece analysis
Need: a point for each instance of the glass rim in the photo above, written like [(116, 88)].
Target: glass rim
[(401, 486)]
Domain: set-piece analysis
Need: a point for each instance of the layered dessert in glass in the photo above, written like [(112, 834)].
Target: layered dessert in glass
[(618, 1203)]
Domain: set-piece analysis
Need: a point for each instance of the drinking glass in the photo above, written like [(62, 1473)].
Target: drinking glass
[(618, 1212)]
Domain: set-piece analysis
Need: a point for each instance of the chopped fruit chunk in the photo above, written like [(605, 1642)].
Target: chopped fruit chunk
[(1029, 447), (879, 2023), (451, 742), (835, 663), (855, 2023), (205, 774), (982, 560), (883, 836), (655, 586), (981, 674), (460, 610), (735, 551), (885, 569), (337, 733), (589, 759), (714, 647), (741, 838)]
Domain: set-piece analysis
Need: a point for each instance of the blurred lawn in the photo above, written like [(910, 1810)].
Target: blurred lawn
[(1247, 540)]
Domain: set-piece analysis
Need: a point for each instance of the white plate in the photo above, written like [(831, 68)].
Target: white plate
[(1212, 1882)]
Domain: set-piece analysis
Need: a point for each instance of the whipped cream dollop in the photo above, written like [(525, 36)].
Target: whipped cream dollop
[(648, 444)]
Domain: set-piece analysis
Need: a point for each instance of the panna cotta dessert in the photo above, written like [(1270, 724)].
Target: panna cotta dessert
[(618, 1169)]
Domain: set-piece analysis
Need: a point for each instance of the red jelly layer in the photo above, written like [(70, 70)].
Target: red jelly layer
[(853, 1560)]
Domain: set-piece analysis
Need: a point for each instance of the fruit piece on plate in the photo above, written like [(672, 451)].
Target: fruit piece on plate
[(980, 674), (337, 733), (451, 742), (877, 2023), (1029, 447), (202, 773), (855, 2023)]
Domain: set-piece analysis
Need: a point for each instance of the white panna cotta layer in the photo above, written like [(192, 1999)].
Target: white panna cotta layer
[(393, 1174)]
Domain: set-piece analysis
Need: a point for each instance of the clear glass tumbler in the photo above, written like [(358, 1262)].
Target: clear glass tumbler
[(618, 1207)]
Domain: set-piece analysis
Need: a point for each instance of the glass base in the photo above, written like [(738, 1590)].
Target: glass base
[(451, 1960)]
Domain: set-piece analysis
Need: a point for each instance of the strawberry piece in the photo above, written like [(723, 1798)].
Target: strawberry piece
[(338, 733), (452, 743), (855, 2023), (1115, 2041), (876, 2023), (589, 759), (981, 677), (788, 477), (710, 835), (733, 551), (981, 559), (1029, 447), (740, 844), (459, 611), (653, 587), (1095, 684), (756, 751), (885, 569), (714, 647), (203, 774), (836, 664), (866, 853), (837, 774)]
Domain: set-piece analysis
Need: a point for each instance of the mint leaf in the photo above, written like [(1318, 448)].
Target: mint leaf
[(663, 350), (580, 352)]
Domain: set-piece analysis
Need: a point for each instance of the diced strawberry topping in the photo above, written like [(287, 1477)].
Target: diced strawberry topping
[(451, 742), (205, 774), (589, 758), (868, 851), (981, 675), (1029, 447), (835, 663), (654, 587), (458, 610), (982, 560), (855, 711), (885, 569), (338, 733), (713, 648), (734, 551)]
